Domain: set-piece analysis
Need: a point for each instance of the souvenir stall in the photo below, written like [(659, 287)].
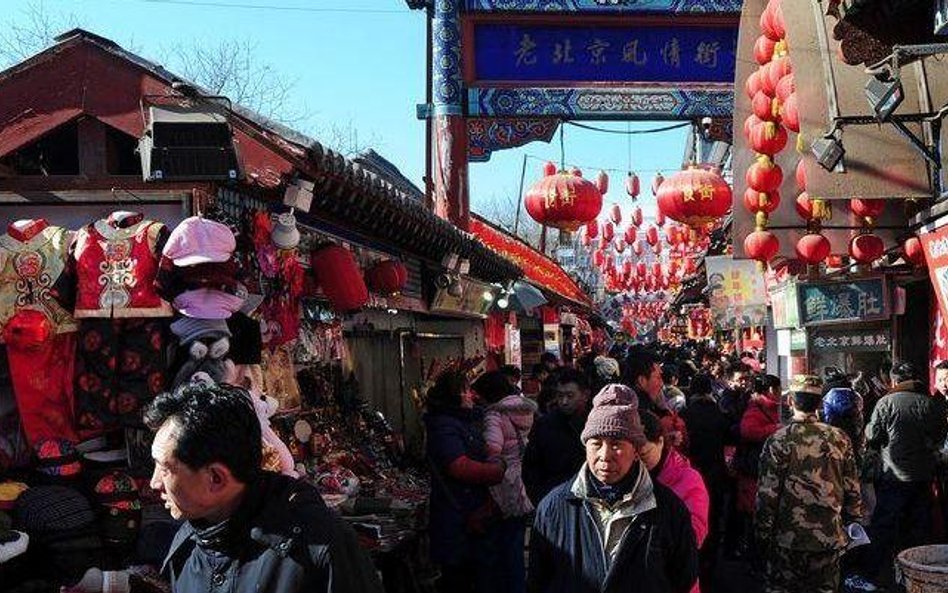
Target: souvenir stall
[(98, 321)]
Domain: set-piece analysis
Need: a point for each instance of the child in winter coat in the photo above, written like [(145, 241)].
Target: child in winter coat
[(507, 424)]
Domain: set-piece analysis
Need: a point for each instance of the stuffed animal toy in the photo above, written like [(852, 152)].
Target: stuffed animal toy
[(207, 361), (276, 455)]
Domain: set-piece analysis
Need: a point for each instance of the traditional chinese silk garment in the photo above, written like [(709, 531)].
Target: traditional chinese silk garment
[(32, 262), (116, 268), (121, 363), (38, 331)]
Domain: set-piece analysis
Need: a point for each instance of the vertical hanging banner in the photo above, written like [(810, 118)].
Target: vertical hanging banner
[(737, 296), (935, 246)]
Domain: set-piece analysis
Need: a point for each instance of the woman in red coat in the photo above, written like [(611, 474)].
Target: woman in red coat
[(760, 420)]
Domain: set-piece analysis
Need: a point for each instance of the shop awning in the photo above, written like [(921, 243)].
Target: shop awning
[(538, 269)]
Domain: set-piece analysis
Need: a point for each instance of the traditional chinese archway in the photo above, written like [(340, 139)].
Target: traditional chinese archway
[(506, 72)]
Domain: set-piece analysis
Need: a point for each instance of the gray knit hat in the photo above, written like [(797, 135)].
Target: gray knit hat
[(615, 415)]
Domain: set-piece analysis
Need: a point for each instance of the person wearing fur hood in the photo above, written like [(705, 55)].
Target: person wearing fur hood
[(507, 424)]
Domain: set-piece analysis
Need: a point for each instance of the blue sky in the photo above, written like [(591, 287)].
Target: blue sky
[(367, 68)]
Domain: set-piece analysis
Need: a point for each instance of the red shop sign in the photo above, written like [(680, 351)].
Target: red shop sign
[(935, 246)]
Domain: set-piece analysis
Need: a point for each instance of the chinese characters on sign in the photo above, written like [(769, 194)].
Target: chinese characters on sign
[(737, 294), (530, 53), (857, 340), (935, 247), (835, 302)]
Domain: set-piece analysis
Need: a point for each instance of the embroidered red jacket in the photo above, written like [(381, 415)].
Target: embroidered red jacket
[(116, 269)]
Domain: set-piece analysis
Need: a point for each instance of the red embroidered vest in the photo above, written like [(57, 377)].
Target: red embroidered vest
[(116, 269)]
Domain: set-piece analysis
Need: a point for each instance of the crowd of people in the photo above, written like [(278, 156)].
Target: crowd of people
[(653, 466)]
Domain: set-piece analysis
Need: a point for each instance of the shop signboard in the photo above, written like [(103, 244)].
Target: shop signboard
[(851, 340), (843, 301), (737, 294), (524, 52), (784, 305), (470, 302), (935, 247), (797, 340)]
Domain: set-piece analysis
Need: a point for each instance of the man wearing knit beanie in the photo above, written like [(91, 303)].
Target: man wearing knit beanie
[(611, 528)]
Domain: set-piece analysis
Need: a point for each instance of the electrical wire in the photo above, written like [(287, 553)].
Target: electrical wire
[(590, 167), (274, 7), (628, 132)]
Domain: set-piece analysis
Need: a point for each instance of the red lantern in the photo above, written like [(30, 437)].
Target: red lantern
[(549, 168), (768, 85), (749, 122), (599, 258), (620, 245), (764, 175), (602, 182), (563, 201), (586, 240), (778, 69), (801, 175), (387, 277), (767, 25), (339, 276), (912, 251), (813, 248), (615, 214), (630, 235), (753, 84), (637, 248), (785, 87), (608, 231), (660, 218), (657, 182), (768, 138), (632, 185), (651, 236), (695, 196), (637, 217), (804, 206), (866, 248), (592, 229), (603, 243), (640, 270), (790, 113), (764, 49), (867, 208), (756, 201), (761, 245), (763, 107)]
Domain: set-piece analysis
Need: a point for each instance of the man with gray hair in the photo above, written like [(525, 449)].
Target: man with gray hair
[(611, 528)]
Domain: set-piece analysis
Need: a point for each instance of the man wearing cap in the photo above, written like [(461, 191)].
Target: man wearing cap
[(611, 528), (808, 492), (245, 529)]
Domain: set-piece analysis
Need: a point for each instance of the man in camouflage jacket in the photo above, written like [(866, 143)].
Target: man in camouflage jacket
[(808, 491)]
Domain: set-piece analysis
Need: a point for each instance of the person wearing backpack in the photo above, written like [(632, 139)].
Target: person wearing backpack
[(507, 423)]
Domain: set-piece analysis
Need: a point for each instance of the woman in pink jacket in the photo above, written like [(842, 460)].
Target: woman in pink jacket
[(670, 469)]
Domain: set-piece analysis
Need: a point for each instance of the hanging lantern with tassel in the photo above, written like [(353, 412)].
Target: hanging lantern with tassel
[(563, 200)]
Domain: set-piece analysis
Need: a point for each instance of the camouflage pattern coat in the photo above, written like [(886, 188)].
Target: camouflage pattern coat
[(808, 489)]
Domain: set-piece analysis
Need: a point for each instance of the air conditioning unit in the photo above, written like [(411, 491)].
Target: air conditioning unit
[(188, 143)]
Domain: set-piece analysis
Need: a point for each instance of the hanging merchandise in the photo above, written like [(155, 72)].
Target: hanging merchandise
[(42, 339), (121, 363)]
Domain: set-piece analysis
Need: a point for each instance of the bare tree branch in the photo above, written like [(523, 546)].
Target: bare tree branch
[(231, 68), (31, 32)]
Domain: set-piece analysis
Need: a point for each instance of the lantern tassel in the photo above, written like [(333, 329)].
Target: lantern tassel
[(761, 220), (822, 209), (801, 144)]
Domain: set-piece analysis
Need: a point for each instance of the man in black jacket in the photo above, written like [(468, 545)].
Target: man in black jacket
[(610, 528), (245, 530)]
